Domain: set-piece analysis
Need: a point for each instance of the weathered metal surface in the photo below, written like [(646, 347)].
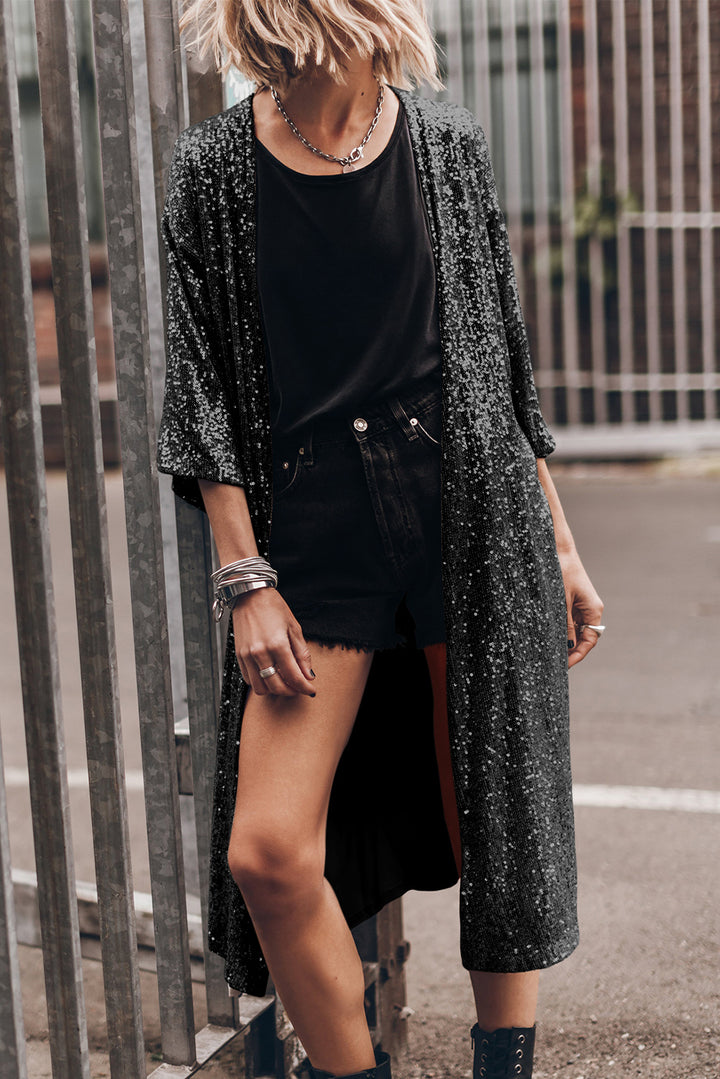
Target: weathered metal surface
[(34, 600), (194, 547), (12, 1027), (111, 34), (65, 180)]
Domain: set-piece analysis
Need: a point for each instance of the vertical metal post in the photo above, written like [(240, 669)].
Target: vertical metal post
[(677, 166), (541, 229), (511, 141), (12, 1028), (481, 60), (598, 358), (193, 531), (34, 600), (453, 37), (567, 187), (708, 271), (113, 66), (622, 185), (652, 285), (60, 109)]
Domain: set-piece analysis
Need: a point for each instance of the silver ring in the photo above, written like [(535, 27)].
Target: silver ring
[(598, 629), (268, 672)]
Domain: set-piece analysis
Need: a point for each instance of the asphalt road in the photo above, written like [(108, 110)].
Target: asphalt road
[(640, 995)]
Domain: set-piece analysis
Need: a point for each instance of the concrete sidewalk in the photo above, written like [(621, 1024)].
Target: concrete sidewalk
[(640, 995)]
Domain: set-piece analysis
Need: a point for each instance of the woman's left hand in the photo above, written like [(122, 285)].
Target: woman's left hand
[(584, 606)]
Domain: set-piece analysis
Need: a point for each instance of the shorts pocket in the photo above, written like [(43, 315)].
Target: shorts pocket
[(428, 424), (286, 473)]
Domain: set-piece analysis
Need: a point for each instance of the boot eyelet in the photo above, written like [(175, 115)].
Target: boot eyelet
[(521, 1038), (484, 1041), (483, 1058), (518, 1068), (518, 1052), (481, 1071)]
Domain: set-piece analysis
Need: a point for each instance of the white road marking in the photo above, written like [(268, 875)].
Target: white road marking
[(688, 801), (596, 795)]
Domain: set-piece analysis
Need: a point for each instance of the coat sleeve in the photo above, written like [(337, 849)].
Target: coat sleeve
[(522, 381), (197, 438)]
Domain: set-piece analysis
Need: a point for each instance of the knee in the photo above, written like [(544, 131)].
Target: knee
[(274, 867)]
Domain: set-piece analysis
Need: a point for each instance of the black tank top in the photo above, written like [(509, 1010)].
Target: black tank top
[(347, 286)]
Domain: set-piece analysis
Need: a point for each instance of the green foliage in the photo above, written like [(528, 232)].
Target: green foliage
[(596, 216)]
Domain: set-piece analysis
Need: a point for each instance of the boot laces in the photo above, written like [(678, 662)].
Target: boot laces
[(495, 1058)]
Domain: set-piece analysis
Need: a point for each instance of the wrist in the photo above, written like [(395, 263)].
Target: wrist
[(565, 544), (237, 578)]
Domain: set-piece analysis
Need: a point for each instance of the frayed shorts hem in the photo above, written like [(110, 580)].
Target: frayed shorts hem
[(350, 643), (359, 644)]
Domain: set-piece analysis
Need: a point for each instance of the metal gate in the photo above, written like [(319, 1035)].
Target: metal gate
[(603, 120)]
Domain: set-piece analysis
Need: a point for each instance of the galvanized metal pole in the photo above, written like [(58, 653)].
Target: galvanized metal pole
[(650, 232), (541, 225), (708, 267), (34, 600), (12, 1027), (111, 33), (626, 312), (571, 347), (677, 166), (512, 142), (193, 532), (60, 109), (481, 62), (593, 160)]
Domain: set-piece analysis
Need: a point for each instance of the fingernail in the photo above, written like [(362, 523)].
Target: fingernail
[(571, 644), (312, 672), (313, 694)]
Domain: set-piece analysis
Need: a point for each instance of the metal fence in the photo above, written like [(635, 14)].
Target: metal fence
[(178, 751), (603, 121), (603, 118)]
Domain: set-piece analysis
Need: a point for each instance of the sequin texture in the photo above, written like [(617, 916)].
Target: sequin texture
[(507, 674)]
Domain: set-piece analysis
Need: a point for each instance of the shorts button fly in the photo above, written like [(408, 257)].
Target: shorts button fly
[(360, 424)]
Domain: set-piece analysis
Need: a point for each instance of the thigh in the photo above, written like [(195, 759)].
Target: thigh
[(290, 748)]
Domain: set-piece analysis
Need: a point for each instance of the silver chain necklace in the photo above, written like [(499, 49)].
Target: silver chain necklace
[(347, 162)]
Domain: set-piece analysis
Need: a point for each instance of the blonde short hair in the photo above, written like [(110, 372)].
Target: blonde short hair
[(271, 42)]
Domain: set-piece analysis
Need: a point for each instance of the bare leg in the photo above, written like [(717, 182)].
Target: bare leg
[(501, 1000), (288, 755), (505, 1000)]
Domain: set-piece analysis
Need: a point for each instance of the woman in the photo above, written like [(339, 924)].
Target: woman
[(347, 361)]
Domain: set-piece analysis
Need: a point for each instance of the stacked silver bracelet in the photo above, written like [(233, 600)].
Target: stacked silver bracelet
[(242, 576)]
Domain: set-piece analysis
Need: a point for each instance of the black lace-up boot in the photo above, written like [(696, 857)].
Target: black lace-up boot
[(380, 1071), (506, 1053)]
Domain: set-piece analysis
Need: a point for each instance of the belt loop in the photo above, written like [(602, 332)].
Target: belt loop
[(402, 417), (306, 449)]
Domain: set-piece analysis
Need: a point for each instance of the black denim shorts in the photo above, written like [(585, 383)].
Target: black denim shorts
[(355, 532)]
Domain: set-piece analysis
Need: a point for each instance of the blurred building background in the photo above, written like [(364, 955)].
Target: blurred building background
[(603, 120)]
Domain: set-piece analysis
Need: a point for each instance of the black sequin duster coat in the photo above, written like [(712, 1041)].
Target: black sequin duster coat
[(504, 600)]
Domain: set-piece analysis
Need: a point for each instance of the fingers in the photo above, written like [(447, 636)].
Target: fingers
[(288, 679), (301, 650), (585, 642), (570, 625)]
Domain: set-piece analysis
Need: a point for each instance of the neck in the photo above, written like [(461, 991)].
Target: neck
[(317, 103)]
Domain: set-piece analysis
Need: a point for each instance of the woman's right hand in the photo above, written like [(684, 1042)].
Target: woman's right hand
[(267, 634)]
